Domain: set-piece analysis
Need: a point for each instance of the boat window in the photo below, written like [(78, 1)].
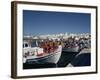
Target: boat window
[(26, 45), (33, 44)]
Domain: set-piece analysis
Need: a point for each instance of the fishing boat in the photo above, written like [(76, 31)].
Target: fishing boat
[(36, 54), (74, 48)]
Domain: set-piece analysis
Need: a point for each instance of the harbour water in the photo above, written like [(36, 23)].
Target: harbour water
[(65, 59)]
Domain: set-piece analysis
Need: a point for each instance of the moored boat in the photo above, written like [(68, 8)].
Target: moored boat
[(71, 49), (37, 55)]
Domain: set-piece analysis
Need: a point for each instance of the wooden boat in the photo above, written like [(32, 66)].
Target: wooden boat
[(36, 54)]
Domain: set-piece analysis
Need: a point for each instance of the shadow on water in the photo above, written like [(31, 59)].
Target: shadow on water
[(65, 58), (38, 65)]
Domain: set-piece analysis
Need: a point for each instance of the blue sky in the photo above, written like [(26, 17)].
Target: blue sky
[(47, 22)]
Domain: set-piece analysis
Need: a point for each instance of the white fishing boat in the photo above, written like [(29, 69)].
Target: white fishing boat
[(71, 49), (36, 54)]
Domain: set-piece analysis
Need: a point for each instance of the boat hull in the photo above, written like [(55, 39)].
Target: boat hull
[(76, 49), (50, 58)]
